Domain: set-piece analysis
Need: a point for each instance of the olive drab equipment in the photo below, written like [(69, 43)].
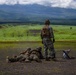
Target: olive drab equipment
[(45, 32)]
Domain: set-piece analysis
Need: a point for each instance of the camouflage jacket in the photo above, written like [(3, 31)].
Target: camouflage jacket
[(51, 33)]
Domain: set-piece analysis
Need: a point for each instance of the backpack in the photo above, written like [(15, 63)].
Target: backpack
[(45, 32)]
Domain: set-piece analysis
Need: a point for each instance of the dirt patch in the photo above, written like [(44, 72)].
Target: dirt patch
[(60, 67)]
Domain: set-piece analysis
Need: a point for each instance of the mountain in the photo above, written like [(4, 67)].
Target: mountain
[(34, 13)]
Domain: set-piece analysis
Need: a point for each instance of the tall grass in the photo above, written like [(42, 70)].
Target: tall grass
[(21, 33)]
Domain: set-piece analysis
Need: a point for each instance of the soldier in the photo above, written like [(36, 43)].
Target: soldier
[(36, 54), (47, 37), (26, 55), (23, 56), (39, 49)]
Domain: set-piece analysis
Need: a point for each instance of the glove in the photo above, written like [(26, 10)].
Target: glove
[(42, 41), (53, 40)]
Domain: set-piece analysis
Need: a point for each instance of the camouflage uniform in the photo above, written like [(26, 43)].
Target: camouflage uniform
[(14, 58), (48, 44), (36, 54), (39, 49), (24, 56)]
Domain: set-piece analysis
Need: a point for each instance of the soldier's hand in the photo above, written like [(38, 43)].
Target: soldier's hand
[(53, 40), (42, 42)]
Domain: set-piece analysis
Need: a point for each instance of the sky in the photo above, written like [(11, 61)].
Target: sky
[(53, 3)]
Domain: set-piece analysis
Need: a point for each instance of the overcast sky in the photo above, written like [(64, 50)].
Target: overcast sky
[(54, 3)]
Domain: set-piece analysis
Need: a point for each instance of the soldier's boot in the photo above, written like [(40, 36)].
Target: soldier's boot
[(27, 61), (7, 59), (46, 56), (10, 59), (54, 57), (38, 60), (47, 59)]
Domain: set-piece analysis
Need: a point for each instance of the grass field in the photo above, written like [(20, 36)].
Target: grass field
[(31, 32)]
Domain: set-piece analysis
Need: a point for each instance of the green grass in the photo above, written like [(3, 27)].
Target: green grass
[(19, 33)]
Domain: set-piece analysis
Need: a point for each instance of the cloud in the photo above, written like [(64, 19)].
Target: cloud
[(8, 1), (73, 4), (53, 3), (61, 3), (2, 1)]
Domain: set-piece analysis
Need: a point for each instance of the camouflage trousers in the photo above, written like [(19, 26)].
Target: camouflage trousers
[(34, 57), (48, 48), (22, 57)]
